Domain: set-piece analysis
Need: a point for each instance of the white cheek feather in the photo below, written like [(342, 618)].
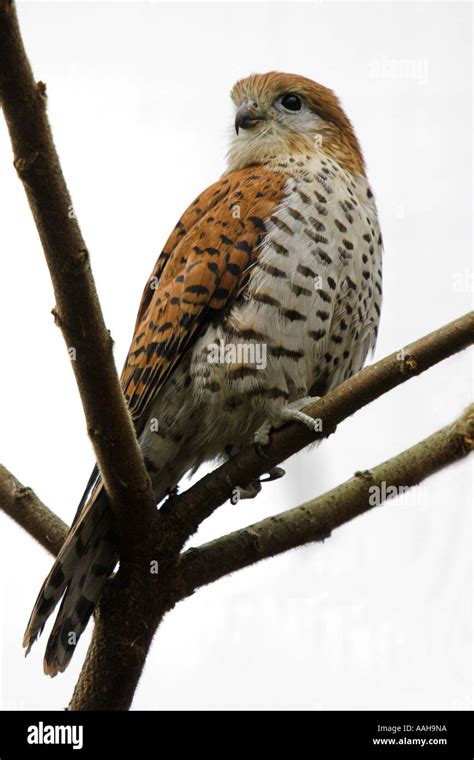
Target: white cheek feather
[(273, 137)]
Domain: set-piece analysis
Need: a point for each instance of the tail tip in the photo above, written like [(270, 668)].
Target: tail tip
[(28, 641)]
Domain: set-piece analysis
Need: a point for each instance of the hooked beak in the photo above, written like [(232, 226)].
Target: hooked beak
[(246, 118)]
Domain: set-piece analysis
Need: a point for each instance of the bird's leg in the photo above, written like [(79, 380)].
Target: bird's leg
[(250, 491), (289, 413), (254, 487)]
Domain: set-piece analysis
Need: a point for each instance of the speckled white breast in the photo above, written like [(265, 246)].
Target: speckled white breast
[(313, 298), (310, 311)]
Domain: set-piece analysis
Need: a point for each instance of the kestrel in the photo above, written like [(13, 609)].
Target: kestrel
[(267, 292)]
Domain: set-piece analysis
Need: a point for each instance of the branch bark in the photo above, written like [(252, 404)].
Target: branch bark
[(316, 519), (26, 509), (77, 312)]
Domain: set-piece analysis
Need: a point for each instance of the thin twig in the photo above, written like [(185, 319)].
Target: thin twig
[(26, 509)]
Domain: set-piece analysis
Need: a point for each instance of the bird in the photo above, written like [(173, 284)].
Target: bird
[(266, 295)]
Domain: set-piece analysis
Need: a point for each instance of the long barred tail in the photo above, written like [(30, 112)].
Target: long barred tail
[(78, 576)]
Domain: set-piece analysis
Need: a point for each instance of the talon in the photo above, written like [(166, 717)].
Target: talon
[(262, 435), (289, 413), (249, 492), (292, 413), (274, 474)]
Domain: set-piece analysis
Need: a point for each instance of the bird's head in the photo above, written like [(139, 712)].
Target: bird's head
[(284, 114)]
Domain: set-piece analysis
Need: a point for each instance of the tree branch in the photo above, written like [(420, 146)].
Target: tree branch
[(316, 519), (199, 502), (77, 312), (27, 510)]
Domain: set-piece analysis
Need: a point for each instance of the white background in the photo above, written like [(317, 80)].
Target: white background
[(380, 615)]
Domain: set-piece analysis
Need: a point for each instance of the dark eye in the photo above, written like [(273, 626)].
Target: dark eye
[(291, 102)]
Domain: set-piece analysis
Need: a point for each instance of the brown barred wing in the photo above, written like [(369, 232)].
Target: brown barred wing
[(200, 273)]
